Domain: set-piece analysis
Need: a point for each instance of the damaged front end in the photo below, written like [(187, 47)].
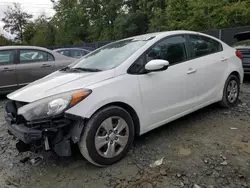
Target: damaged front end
[(56, 132)]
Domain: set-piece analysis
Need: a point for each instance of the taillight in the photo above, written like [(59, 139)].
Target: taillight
[(238, 54)]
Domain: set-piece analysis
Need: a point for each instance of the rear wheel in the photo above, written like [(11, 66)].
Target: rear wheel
[(231, 92), (107, 136)]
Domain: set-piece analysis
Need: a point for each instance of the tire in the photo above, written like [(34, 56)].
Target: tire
[(97, 127), (226, 100)]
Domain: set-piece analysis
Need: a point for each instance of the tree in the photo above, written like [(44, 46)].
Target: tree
[(44, 32), (71, 22), (131, 24), (79, 21), (15, 21), (176, 13), (204, 15), (159, 21), (29, 33), (3, 41), (101, 16)]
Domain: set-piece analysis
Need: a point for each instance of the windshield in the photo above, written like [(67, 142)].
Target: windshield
[(112, 55)]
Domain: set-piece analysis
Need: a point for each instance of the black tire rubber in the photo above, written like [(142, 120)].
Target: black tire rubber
[(87, 142), (224, 102)]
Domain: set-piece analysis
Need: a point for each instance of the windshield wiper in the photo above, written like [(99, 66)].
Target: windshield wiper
[(65, 69), (79, 69), (86, 69)]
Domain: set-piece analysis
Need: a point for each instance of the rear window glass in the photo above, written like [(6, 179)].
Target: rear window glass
[(6, 57), (204, 46)]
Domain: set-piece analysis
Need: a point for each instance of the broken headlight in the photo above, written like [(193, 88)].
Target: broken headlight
[(53, 105)]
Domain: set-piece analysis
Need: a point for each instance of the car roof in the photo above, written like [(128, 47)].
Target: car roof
[(160, 35), (55, 54), (23, 47), (165, 33), (71, 49)]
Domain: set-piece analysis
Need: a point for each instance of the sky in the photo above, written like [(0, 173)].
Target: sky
[(34, 7)]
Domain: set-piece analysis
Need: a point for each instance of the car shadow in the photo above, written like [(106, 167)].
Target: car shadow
[(247, 79), (170, 129)]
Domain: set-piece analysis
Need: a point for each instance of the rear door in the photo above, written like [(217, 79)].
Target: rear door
[(8, 80), (33, 64), (209, 62)]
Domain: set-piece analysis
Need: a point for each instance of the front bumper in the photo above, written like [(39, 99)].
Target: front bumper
[(24, 133), (57, 133)]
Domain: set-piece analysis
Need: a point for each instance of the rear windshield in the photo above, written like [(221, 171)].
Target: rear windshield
[(112, 55)]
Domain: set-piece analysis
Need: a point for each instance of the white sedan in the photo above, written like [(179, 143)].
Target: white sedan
[(124, 89)]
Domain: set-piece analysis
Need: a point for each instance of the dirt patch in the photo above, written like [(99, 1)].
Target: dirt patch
[(209, 148), (244, 147), (185, 151)]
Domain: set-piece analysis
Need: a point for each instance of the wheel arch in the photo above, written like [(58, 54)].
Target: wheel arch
[(237, 74), (129, 109), (230, 72)]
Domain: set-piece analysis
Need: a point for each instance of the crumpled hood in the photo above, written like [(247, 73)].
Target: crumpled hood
[(58, 82)]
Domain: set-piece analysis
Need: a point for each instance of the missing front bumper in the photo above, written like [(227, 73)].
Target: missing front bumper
[(57, 134), (24, 133)]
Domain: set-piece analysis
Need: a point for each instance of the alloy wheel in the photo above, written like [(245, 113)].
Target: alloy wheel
[(111, 137), (232, 91)]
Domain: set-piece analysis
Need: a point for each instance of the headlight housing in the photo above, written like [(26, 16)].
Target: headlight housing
[(53, 105)]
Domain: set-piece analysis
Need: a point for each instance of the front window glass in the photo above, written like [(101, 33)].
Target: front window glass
[(172, 50), (112, 55), (30, 56)]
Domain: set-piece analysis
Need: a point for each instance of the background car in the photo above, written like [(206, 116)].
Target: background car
[(72, 52), (243, 45), (20, 65)]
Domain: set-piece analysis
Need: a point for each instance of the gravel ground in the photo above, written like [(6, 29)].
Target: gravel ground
[(209, 148)]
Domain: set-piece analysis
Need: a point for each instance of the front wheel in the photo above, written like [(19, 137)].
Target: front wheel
[(231, 92), (107, 136)]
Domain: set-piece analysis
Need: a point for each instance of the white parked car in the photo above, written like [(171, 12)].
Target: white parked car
[(121, 90)]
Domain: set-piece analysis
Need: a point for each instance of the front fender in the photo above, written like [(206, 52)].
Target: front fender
[(123, 89)]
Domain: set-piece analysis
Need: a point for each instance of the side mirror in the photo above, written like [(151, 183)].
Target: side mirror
[(157, 65)]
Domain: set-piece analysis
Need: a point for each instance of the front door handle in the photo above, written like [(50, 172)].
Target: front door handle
[(191, 71), (45, 66), (7, 70)]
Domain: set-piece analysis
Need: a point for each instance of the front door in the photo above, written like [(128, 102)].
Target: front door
[(33, 65), (8, 81), (164, 94)]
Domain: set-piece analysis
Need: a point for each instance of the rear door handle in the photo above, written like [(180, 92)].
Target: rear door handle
[(191, 71), (45, 66), (7, 70), (223, 59)]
